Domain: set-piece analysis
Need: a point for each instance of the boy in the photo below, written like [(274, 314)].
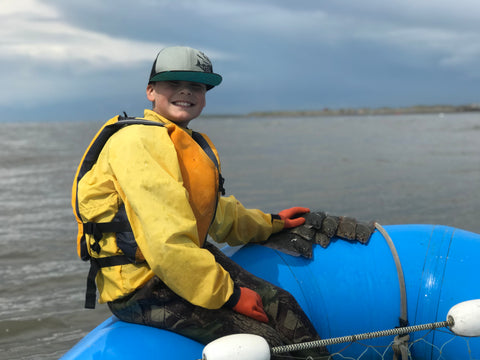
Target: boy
[(145, 205)]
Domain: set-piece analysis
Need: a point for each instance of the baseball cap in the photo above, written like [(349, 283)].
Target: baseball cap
[(184, 63)]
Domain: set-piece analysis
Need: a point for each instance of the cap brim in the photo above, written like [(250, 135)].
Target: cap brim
[(210, 79)]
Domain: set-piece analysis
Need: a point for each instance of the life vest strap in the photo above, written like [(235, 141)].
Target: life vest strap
[(98, 229), (95, 265), (208, 150)]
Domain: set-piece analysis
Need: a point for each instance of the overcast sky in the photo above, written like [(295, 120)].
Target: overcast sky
[(68, 60)]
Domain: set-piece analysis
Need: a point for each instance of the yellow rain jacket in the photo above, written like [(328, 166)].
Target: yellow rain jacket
[(169, 188)]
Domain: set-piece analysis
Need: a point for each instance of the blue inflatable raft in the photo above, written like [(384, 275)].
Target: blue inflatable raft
[(345, 289)]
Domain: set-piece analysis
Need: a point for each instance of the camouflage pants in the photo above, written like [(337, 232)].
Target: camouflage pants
[(158, 306)]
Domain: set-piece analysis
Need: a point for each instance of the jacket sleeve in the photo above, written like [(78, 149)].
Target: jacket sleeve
[(237, 225), (144, 162)]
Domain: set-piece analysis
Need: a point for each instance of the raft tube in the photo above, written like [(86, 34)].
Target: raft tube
[(345, 289)]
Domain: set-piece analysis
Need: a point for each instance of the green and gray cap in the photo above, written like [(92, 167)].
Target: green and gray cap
[(183, 63)]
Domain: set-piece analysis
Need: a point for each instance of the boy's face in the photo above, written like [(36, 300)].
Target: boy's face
[(178, 101)]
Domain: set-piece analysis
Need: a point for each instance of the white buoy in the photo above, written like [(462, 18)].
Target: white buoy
[(466, 318), (237, 347)]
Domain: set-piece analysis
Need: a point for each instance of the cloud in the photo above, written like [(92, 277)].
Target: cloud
[(37, 32), (60, 60), (53, 32), (439, 32), (271, 53)]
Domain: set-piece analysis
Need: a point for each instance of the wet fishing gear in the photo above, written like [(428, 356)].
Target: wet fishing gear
[(320, 228)]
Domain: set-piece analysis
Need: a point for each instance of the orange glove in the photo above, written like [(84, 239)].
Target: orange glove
[(250, 304), (291, 216)]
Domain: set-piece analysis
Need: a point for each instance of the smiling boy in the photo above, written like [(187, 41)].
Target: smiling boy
[(178, 101), (145, 205)]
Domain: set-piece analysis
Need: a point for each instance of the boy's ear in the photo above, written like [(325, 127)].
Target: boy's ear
[(150, 92)]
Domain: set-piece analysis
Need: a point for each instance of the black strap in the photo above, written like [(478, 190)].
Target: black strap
[(205, 146), (208, 150), (98, 229), (92, 154), (92, 228), (95, 265)]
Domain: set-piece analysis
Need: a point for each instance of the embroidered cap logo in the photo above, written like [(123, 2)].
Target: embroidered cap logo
[(203, 63)]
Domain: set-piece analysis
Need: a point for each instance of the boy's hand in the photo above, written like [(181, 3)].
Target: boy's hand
[(250, 304), (292, 217)]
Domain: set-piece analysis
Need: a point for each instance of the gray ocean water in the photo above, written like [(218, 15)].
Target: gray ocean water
[(394, 169)]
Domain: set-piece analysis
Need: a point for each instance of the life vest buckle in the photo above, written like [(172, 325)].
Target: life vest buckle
[(221, 182), (91, 228)]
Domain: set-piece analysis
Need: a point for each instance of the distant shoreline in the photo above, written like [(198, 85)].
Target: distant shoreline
[(419, 109)]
